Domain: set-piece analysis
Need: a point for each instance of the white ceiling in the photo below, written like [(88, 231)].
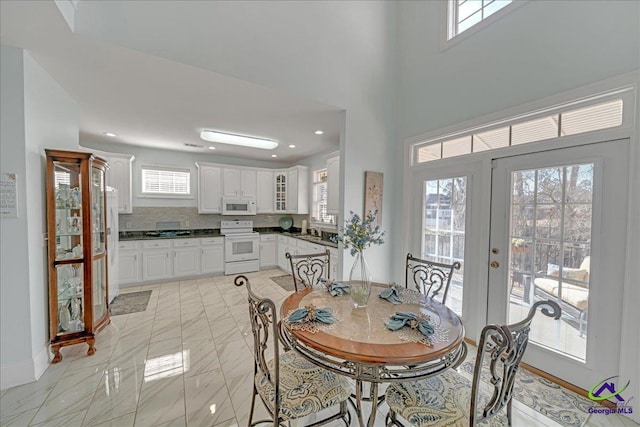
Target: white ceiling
[(154, 102)]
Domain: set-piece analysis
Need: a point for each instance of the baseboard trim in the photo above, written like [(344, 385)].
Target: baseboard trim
[(26, 371)]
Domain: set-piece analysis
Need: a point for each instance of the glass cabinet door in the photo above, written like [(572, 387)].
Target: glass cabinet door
[(99, 289), (68, 210), (97, 210), (281, 192), (70, 298)]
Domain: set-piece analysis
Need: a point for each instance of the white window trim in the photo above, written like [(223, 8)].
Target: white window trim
[(511, 117), (446, 21), (140, 194)]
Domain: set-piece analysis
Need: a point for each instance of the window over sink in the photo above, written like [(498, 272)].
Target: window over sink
[(319, 213)]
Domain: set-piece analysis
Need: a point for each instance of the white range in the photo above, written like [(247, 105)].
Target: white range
[(241, 247)]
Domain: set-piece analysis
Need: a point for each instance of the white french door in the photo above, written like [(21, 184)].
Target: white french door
[(558, 231)]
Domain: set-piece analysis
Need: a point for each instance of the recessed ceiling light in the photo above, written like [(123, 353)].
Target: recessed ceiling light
[(292, 146), (233, 139), (111, 134), (274, 155), (212, 148), (319, 132)]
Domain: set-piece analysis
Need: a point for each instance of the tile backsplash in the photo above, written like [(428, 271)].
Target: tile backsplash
[(147, 218)]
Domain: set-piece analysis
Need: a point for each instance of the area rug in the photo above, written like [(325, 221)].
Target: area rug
[(568, 408), (131, 302), (285, 282)]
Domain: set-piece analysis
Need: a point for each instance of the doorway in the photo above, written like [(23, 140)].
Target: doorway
[(558, 231)]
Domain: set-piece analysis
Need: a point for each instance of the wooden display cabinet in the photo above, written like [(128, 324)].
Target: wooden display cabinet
[(76, 230)]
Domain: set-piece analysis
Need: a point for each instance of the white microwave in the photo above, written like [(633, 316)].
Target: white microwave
[(235, 206)]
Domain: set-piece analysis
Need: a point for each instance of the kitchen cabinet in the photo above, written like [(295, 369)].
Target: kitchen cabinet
[(129, 270), (77, 256), (186, 260), (239, 182), (119, 176), (209, 188), (155, 260), (292, 190), (265, 192), (212, 255), (333, 185), (268, 252), (283, 248)]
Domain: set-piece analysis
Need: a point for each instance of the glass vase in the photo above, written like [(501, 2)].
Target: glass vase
[(360, 281)]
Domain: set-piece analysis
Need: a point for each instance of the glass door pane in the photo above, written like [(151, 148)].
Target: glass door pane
[(444, 229), (68, 205), (99, 289), (97, 210), (69, 279), (549, 256)]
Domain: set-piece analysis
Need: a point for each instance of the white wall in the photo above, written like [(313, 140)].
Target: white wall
[(15, 322), (338, 53), (36, 114)]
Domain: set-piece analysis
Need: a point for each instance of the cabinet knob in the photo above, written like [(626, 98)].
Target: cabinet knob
[(494, 264)]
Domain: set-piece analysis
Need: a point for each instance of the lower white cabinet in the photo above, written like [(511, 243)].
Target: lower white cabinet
[(212, 255), (186, 260), (155, 264), (129, 262), (268, 252), (333, 261), (283, 248)]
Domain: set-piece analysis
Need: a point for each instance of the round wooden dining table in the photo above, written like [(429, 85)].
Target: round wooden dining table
[(360, 346)]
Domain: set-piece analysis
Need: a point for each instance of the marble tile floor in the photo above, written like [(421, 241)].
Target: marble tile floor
[(185, 361)]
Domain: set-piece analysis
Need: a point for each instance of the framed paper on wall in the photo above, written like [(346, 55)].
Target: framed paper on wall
[(373, 182)]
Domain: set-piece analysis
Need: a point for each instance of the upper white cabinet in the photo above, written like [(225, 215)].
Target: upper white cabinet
[(298, 191), (266, 194), (239, 182), (292, 190), (333, 185), (119, 177), (209, 188)]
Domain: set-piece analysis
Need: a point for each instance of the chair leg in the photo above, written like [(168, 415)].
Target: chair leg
[(253, 404), (509, 419)]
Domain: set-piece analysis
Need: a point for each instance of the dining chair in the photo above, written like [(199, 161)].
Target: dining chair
[(309, 269), (453, 400), (428, 277), (289, 386)]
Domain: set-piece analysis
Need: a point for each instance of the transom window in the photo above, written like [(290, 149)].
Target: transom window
[(464, 14), (567, 122), (165, 181)]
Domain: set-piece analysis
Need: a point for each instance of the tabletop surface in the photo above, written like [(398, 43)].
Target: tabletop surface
[(361, 336)]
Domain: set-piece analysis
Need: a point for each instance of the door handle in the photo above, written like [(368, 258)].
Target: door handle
[(494, 264)]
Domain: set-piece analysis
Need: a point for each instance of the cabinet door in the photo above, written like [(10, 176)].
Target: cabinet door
[(186, 262), (281, 184), (231, 182), (265, 192), (333, 185), (333, 260), (268, 254), (292, 191), (248, 183), (209, 189), (119, 177), (212, 258), (155, 264), (283, 262), (129, 267)]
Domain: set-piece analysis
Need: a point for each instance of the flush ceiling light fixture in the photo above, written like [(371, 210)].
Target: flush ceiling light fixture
[(292, 146), (318, 132), (233, 139), (111, 134)]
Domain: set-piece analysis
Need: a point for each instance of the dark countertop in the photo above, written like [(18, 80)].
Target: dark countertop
[(211, 232)]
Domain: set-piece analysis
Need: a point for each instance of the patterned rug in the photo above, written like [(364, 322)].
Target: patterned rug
[(284, 281), (541, 395), (131, 302)]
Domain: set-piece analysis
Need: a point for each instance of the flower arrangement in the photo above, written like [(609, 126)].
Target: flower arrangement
[(360, 233)]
